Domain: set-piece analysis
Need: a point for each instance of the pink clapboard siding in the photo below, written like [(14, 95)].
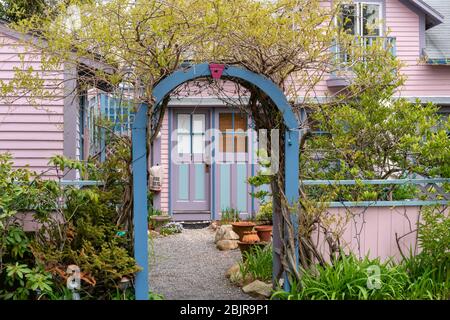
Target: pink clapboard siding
[(373, 231), (164, 194), (32, 130), (422, 80)]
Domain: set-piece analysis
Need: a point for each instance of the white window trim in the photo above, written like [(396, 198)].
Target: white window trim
[(359, 17)]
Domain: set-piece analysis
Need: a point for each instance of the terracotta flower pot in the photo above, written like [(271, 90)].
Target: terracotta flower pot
[(264, 232), (241, 226), (250, 237)]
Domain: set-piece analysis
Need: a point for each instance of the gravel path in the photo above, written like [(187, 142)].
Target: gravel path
[(188, 266)]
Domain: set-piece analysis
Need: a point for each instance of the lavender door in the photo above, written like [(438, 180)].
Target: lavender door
[(190, 176)]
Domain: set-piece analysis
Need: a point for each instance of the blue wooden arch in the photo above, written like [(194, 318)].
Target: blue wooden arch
[(139, 156)]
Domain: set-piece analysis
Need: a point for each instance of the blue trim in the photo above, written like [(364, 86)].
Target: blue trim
[(169, 185), (81, 183), (140, 206), (213, 167), (253, 153), (103, 114), (411, 203), (373, 182), (202, 70), (440, 62)]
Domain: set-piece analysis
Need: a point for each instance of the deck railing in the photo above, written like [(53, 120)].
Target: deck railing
[(344, 57)]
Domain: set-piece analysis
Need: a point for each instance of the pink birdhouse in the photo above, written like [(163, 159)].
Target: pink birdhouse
[(216, 70)]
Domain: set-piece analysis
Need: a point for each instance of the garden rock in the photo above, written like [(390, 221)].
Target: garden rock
[(225, 232), (227, 245), (233, 270), (214, 225), (258, 289)]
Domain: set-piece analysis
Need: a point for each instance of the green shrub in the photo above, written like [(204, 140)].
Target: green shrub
[(348, 279), (430, 269), (257, 263), (81, 226), (265, 212), (406, 191)]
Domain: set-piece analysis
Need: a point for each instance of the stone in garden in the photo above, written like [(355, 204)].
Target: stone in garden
[(258, 289), (225, 232), (233, 270), (227, 244), (214, 225)]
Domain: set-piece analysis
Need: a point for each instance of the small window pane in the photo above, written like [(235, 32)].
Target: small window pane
[(371, 19), (184, 143), (225, 121), (226, 143), (198, 123), (198, 143), (240, 143), (184, 123), (347, 20), (240, 122)]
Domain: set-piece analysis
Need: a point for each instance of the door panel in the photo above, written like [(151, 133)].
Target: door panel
[(190, 174), (233, 162)]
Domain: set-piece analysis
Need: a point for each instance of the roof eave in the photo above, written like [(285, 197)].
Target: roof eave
[(433, 16)]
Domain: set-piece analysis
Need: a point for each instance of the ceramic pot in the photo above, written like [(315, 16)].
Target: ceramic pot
[(241, 226), (250, 237), (264, 232)]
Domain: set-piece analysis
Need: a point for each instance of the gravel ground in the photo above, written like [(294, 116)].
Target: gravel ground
[(188, 266)]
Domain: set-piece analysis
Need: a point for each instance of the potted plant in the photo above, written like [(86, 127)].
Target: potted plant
[(242, 226), (264, 217)]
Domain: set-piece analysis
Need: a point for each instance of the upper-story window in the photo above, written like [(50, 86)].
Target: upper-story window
[(362, 18)]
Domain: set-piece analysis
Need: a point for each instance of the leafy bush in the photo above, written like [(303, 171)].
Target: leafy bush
[(257, 263), (403, 192), (430, 269), (265, 212), (350, 278), (81, 226)]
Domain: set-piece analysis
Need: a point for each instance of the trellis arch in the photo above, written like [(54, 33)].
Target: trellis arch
[(139, 155)]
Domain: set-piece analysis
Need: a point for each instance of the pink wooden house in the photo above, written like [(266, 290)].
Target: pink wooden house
[(196, 190)]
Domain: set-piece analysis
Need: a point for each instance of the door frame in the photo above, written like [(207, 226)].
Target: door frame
[(214, 180), (172, 110)]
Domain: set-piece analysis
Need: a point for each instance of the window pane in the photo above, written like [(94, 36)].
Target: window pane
[(184, 123), (240, 122), (184, 143), (347, 20), (226, 143), (371, 19), (240, 143), (198, 123), (225, 121), (198, 143)]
